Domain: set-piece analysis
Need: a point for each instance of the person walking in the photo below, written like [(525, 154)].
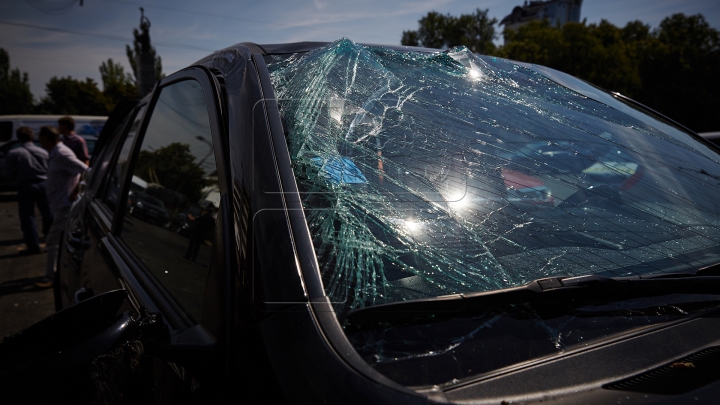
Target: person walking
[(63, 175), (28, 165), (202, 228), (66, 126)]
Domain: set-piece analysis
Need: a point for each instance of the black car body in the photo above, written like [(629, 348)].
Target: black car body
[(391, 229)]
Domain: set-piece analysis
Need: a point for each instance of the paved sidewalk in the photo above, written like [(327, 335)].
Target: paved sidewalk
[(21, 303)]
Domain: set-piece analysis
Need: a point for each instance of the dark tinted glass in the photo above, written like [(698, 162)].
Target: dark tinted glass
[(114, 187), (174, 196), (101, 163)]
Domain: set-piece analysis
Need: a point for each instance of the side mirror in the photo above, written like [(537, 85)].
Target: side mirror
[(60, 349)]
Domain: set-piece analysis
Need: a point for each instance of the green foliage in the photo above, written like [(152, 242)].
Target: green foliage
[(117, 85), (174, 168), (15, 95), (433, 30), (673, 69), (595, 52), (66, 95), (475, 31), (680, 72), (410, 38)]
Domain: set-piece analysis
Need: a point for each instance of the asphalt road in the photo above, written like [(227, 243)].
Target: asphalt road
[(21, 303)]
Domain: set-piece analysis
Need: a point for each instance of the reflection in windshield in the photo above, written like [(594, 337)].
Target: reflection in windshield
[(151, 200), (431, 174)]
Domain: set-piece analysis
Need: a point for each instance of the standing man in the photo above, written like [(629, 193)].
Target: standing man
[(28, 165), (63, 175), (202, 228), (66, 126)]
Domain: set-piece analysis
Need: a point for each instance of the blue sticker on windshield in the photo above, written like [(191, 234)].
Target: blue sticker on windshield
[(340, 170)]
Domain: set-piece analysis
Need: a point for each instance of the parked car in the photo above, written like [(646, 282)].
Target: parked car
[(395, 225), (146, 207)]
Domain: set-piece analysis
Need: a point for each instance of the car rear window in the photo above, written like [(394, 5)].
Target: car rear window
[(432, 174)]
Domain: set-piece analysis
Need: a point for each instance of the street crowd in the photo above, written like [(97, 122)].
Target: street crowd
[(48, 177)]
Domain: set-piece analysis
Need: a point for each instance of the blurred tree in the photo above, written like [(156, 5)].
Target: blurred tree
[(410, 38), (117, 85), (673, 69), (595, 52), (432, 30), (679, 68), (15, 95), (174, 167), (475, 31), (66, 95), (535, 42)]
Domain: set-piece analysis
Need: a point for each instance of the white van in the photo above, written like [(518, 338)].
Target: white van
[(85, 125)]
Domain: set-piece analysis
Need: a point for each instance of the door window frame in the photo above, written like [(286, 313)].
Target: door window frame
[(149, 288)]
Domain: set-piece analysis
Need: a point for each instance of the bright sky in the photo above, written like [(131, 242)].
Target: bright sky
[(49, 38)]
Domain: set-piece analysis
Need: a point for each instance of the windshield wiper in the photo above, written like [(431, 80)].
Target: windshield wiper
[(582, 289)]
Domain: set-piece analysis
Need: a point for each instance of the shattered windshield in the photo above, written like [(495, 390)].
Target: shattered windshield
[(430, 174)]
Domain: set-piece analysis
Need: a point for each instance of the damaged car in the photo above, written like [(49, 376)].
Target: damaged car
[(394, 225)]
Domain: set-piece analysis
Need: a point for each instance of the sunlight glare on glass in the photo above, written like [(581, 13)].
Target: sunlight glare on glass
[(411, 225)]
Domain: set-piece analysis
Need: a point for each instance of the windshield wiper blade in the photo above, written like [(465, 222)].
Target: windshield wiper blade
[(582, 289)]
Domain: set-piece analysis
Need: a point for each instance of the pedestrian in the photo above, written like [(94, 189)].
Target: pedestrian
[(202, 228), (66, 126), (61, 187), (28, 165)]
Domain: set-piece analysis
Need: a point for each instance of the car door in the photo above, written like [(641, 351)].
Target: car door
[(176, 160), (82, 269), (169, 147)]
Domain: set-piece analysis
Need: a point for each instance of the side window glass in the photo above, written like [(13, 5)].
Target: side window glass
[(174, 196), (101, 164), (114, 186)]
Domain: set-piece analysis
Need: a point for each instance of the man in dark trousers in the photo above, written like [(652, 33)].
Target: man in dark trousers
[(28, 164), (66, 126)]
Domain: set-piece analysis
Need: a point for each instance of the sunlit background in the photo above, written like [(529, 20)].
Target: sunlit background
[(61, 38)]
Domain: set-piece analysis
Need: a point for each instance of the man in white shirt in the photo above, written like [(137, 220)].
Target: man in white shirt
[(63, 175)]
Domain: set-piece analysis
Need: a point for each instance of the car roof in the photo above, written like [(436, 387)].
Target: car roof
[(294, 47), (710, 135)]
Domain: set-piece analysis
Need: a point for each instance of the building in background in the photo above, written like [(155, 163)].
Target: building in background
[(558, 12)]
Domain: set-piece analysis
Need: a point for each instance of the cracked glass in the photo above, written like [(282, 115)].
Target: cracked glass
[(428, 174), (432, 174)]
